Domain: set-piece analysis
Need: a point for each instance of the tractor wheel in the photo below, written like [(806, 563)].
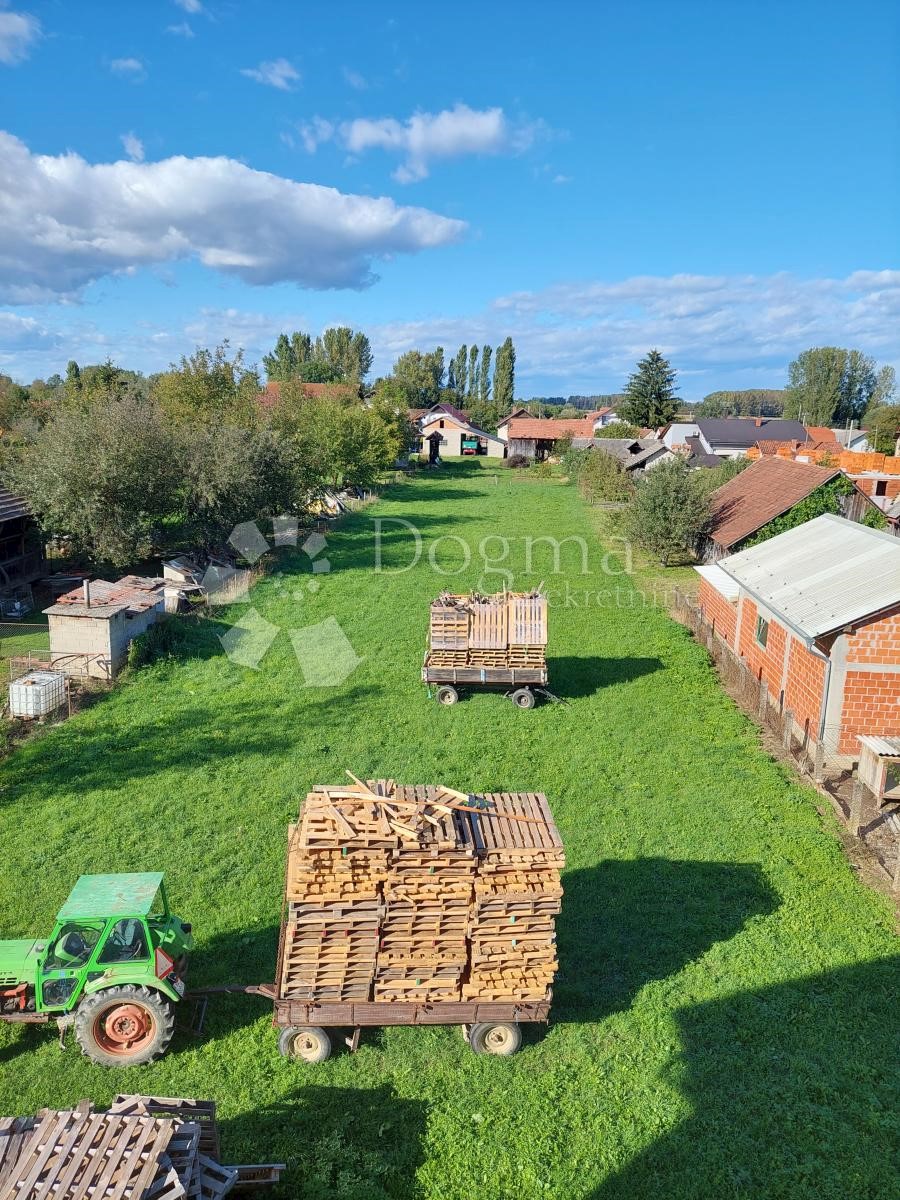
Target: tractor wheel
[(447, 695), (523, 698), (124, 1026), (504, 1038), (308, 1042)]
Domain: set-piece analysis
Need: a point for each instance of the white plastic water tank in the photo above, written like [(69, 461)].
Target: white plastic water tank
[(37, 693)]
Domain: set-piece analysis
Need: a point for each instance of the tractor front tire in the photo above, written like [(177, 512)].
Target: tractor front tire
[(124, 1026), (309, 1042)]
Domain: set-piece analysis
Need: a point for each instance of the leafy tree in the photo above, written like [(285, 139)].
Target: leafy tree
[(73, 379), (484, 375), (451, 376), (461, 371), (210, 385), (751, 402), (314, 370), (339, 354), (474, 389), (617, 429), (421, 375), (505, 376), (106, 474), (710, 478), (831, 386), (13, 402), (348, 352), (649, 399), (602, 477), (569, 412), (883, 426), (670, 509), (829, 498), (331, 443)]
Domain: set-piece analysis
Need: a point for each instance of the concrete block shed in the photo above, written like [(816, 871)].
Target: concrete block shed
[(815, 615), (92, 626)]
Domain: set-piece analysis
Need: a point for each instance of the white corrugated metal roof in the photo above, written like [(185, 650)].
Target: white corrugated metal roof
[(716, 577), (886, 747), (822, 575)]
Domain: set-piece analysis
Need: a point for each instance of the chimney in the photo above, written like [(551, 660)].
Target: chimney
[(86, 588), (758, 422)]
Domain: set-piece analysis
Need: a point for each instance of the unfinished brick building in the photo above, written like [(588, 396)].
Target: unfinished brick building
[(815, 614)]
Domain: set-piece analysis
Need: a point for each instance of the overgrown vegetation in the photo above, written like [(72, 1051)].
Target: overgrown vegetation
[(670, 509), (828, 498), (724, 1023)]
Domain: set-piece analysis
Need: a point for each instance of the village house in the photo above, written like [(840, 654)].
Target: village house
[(877, 475), (21, 549), (731, 437), (815, 615), (92, 626), (768, 488), (457, 436), (536, 437), (635, 454)]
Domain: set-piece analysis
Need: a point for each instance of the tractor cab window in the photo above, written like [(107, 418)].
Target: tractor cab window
[(126, 942), (72, 947)]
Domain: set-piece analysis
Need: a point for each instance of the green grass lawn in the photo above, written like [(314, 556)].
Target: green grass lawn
[(726, 1016)]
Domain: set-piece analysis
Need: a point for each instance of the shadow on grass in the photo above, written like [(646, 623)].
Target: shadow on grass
[(339, 1143), (795, 1094), (575, 676), (626, 923)]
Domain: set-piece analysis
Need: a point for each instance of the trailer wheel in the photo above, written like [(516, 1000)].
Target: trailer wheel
[(309, 1042), (447, 694), (124, 1026), (503, 1038), (523, 698)]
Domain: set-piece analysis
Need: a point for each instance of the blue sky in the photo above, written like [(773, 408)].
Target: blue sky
[(717, 179)]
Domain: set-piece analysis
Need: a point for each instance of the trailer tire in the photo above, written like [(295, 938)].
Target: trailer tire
[(502, 1038), (124, 1026), (523, 698), (309, 1042), (447, 694)]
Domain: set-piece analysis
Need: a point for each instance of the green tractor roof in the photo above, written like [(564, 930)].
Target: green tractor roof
[(110, 895)]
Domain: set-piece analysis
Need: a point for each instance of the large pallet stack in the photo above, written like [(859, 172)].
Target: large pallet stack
[(144, 1147), (506, 630), (420, 894)]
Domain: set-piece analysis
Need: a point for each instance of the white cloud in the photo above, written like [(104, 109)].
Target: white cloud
[(562, 179), (424, 137), (277, 74), (133, 146), (128, 68), (190, 6), (182, 29), (354, 79), (65, 222), (18, 33)]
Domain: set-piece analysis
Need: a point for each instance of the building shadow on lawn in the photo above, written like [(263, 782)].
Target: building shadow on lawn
[(573, 676), (338, 1143), (110, 755), (625, 923), (795, 1093)]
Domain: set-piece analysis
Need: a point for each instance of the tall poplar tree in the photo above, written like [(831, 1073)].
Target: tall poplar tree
[(484, 375), (504, 377), (461, 370), (474, 382)]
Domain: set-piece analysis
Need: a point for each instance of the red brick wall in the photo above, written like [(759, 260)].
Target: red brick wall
[(804, 687), (764, 663), (867, 485), (877, 642), (871, 705), (718, 610)]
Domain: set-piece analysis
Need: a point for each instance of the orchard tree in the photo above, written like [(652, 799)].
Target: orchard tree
[(649, 399), (670, 509)]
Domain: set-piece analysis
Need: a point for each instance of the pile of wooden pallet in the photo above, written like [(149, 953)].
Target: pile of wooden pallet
[(506, 630), (420, 894), (144, 1147)]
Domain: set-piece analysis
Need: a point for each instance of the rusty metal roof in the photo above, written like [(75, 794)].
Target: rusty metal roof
[(11, 506), (137, 593)]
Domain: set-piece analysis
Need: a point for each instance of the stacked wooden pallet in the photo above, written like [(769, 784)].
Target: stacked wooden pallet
[(142, 1147), (454, 896), (505, 630)]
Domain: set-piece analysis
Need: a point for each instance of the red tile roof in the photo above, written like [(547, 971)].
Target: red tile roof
[(763, 491), (548, 428)]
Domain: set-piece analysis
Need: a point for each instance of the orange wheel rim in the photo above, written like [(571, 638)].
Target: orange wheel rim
[(123, 1029)]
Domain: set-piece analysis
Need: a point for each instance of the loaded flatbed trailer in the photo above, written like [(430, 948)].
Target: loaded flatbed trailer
[(490, 1026), (520, 682)]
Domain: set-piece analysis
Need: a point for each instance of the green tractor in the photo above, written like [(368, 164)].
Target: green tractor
[(113, 968)]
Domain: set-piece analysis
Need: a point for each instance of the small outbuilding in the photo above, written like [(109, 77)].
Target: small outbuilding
[(815, 615), (92, 626), (458, 437)]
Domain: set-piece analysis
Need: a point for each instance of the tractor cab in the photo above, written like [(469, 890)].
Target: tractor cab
[(115, 948)]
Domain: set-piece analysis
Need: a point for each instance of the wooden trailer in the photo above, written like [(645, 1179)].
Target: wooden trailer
[(417, 906), (488, 642)]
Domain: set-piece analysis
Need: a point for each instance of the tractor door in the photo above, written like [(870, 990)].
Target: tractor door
[(65, 963)]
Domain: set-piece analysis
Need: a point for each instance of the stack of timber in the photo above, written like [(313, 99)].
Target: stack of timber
[(506, 630), (144, 1147), (420, 894)]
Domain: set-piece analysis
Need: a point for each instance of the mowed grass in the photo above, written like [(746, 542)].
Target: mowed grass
[(726, 1017)]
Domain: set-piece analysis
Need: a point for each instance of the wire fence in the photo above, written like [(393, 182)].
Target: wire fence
[(18, 639), (865, 816)]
